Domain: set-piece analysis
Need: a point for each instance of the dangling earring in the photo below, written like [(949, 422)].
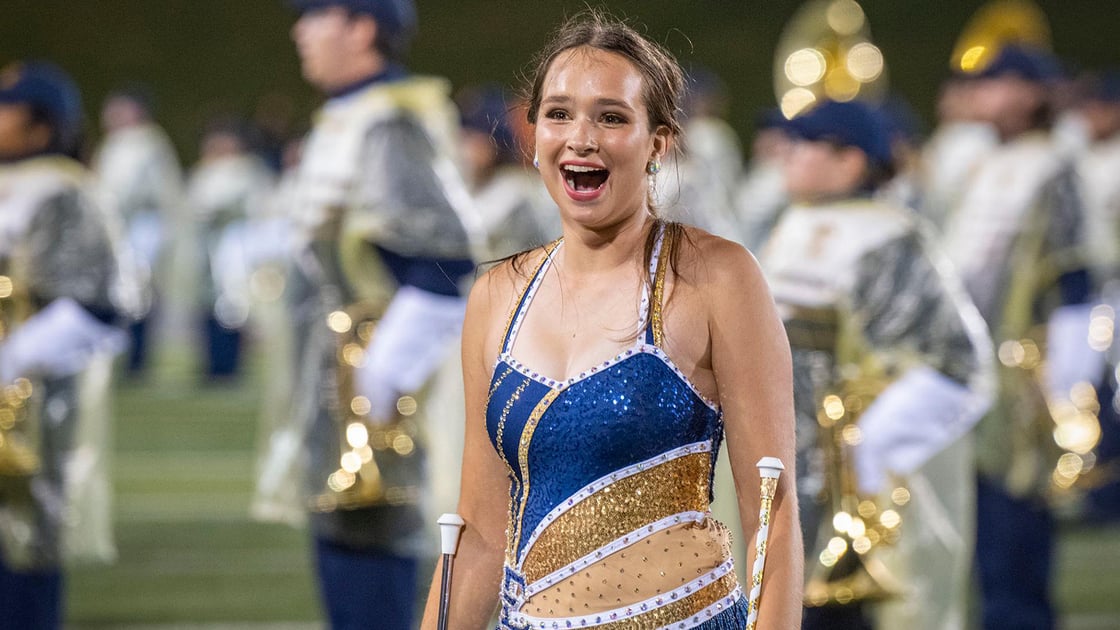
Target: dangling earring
[(536, 162), (653, 167)]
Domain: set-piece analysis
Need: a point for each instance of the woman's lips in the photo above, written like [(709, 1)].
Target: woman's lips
[(584, 182)]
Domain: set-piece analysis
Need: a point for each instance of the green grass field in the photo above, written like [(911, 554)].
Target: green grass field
[(191, 558)]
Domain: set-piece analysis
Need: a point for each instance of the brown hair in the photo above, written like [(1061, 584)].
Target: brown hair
[(663, 85)]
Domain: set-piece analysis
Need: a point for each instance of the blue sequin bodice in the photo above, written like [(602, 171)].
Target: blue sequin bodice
[(617, 460)]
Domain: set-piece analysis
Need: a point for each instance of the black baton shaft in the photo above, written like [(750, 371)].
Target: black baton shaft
[(445, 591)]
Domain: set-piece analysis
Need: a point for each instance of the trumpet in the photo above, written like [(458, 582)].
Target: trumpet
[(372, 455), (846, 569)]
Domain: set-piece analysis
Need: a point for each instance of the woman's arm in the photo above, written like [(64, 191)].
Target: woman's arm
[(752, 366), (484, 494)]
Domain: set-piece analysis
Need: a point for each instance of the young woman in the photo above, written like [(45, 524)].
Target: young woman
[(602, 374)]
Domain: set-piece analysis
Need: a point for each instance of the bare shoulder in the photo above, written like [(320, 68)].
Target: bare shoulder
[(717, 267), (495, 294), (502, 283)]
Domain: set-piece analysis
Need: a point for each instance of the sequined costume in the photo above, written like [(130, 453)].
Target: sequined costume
[(610, 483), (869, 307)]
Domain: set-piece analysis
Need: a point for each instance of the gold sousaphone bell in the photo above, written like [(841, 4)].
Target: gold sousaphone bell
[(826, 52), (994, 26), (845, 568), (18, 454), (378, 461)]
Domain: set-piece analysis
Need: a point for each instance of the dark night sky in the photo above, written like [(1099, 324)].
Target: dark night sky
[(203, 56)]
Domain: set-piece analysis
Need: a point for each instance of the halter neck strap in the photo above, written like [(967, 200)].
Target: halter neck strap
[(652, 304), (518, 313)]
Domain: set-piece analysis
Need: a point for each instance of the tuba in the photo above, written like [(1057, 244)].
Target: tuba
[(994, 26), (845, 569), (372, 455), (1073, 417), (844, 566), (19, 457), (826, 52)]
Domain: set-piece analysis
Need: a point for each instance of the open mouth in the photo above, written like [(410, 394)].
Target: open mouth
[(584, 179)]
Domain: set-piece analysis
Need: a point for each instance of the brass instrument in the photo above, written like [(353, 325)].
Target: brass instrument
[(845, 568), (19, 456), (371, 454), (826, 52), (1073, 423), (996, 25)]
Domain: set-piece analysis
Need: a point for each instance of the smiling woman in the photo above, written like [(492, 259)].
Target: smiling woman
[(601, 385)]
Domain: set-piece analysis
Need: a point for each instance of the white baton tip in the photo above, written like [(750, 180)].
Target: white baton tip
[(770, 467), (449, 526)]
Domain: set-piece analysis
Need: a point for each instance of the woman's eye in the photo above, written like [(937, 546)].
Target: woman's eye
[(613, 119), (556, 114)]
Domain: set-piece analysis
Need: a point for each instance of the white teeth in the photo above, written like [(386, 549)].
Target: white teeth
[(581, 169)]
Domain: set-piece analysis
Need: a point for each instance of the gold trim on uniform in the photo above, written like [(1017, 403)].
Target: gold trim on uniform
[(523, 461), (619, 509), (659, 292), (549, 249), (501, 430)]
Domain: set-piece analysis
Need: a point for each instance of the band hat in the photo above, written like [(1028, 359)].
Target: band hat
[(848, 124), (486, 110), (769, 118), (1026, 62), (394, 16), (1105, 87), (47, 88)]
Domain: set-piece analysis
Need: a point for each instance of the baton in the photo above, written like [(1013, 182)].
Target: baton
[(449, 527), (769, 469)]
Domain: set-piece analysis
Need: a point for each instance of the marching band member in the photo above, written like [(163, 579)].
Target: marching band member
[(698, 185), (1014, 236), (950, 156), (1096, 170), (880, 329), (383, 246), (761, 195), (140, 179), (61, 289), (514, 207), (228, 186)]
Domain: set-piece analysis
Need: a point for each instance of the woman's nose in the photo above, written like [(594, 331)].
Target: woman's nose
[(583, 137)]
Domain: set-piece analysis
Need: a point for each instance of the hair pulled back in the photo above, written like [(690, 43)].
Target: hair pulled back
[(663, 80), (663, 88)]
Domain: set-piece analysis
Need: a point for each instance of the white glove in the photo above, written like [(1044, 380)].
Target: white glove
[(1069, 358), (911, 421), (269, 241), (59, 340), (145, 238), (411, 340)]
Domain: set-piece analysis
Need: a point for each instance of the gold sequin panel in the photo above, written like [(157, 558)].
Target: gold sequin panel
[(654, 566), (678, 485), (680, 610)]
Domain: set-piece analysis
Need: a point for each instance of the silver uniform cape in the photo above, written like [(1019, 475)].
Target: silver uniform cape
[(869, 271), (55, 243), (1015, 231), (376, 170), (516, 212), (139, 179)]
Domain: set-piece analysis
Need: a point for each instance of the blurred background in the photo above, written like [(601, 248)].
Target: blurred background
[(202, 56), (190, 557)]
